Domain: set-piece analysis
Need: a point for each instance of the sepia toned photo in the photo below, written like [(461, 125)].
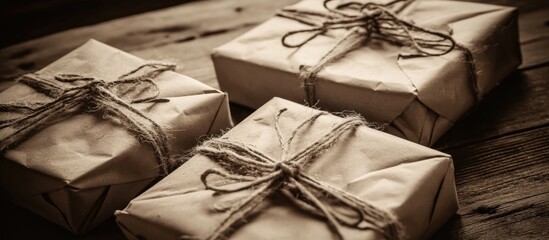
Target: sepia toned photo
[(289, 119)]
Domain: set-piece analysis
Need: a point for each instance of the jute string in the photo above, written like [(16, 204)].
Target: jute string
[(248, 169), (363, 22), (92, 95)]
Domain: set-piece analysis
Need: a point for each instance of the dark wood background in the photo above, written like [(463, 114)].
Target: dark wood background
[(500, 149), (28, 19)]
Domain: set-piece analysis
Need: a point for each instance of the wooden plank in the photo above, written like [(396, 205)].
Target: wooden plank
[(195, 22), (520, 102), (503, 188), (524, 219)]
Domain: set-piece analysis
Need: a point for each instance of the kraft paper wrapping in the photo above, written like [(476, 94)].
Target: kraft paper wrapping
[(412, 181), (80, 169), (420, 97)]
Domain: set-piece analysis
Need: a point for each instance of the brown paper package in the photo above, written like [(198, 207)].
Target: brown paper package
[(413, 182), (420, 98), (77, 171)]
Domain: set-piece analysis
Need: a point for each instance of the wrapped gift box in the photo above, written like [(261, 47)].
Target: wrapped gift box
[(413, 182), (80, 168), (419, 97)]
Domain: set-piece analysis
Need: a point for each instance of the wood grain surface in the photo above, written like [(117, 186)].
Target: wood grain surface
[(500, 149)]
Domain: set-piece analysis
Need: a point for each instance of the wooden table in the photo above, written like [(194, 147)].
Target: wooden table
[(501, 149)]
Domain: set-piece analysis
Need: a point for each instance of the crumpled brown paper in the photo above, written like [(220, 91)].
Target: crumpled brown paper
[(420, 97), (80, 169), (412, 181)]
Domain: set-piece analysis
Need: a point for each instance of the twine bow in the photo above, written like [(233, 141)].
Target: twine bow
[(265, 176), (365, 21), (91, 94)]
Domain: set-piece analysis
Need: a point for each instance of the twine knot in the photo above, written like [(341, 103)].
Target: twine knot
[(250, 169), (290, 169), (112, 98), (94, 87)]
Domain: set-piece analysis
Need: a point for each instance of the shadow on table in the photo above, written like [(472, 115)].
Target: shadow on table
[(449, 230), (19, 223)]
